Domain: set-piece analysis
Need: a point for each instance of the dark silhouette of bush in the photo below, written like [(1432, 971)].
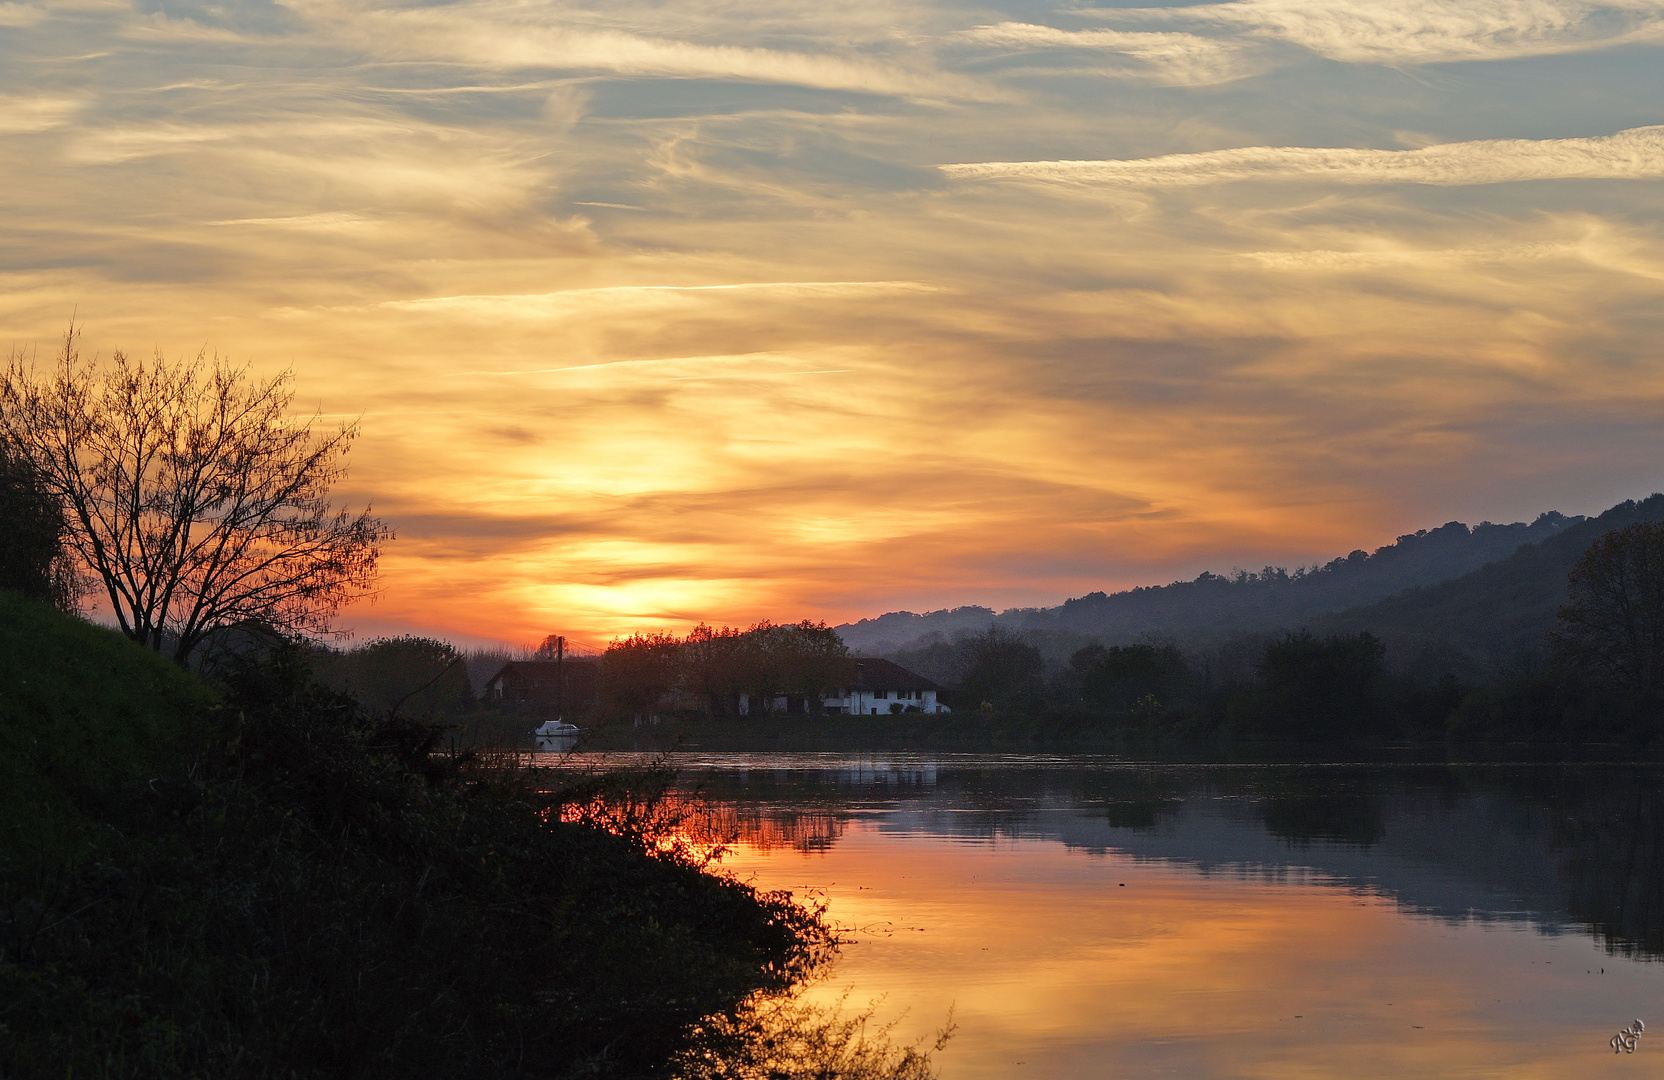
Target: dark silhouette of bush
[(1002, 671), (1313, 689), (421, 678), (1121, 676), (32, 556)]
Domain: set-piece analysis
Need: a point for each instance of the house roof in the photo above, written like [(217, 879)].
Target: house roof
[(538, 670), (871, 673)]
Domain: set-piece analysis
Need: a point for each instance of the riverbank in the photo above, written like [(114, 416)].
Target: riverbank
[(257, 878)]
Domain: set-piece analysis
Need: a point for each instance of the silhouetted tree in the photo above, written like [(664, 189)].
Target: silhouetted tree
[(1004, 671), (32, 556), (717, 666), (1120, 676), (1614, 624), (421, 678), (1319, 688), (191, 494), (806, 659), (638, 671), (763, 662)]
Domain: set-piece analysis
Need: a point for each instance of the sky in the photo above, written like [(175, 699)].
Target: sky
[(661, 312)]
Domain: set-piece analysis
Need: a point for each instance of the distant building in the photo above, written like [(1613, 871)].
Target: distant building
[(875, 687), (870, 687), (569, 686)]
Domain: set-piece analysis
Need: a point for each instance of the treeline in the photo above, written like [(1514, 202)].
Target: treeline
[(1294, 687), (714, 671), (723, 672), (1597, 678)]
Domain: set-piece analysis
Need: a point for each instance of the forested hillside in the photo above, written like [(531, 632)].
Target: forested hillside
[(1497, 612), (1214, 606)]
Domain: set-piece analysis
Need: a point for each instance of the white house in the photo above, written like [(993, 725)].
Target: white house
[(877, 687), (870, 688)]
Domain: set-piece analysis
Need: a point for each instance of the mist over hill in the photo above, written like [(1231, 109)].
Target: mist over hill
[(1339, 593)]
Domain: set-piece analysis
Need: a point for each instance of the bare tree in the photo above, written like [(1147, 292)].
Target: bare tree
[(191, 494), (1615, 621)]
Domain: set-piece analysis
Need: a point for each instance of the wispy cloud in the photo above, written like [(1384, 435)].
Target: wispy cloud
[(565, 302), (1333, 261), (498, 36), (14, 14), (325, 222), (1635, 154), (1419, 31), (20, 114), (1177, 59)]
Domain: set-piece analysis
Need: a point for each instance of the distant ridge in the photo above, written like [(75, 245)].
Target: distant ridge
[(1495, 613), (1213, 606)]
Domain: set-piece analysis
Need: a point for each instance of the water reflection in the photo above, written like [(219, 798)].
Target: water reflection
[(1557, 846), (1092, 918)]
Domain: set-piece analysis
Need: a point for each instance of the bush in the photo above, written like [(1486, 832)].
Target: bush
[(1314, 689), (1121, 677)]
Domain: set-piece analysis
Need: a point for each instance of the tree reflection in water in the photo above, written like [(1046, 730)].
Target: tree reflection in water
[(1560, 846), (781, 1036)]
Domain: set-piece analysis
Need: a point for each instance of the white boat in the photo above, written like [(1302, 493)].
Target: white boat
[(556, 729)]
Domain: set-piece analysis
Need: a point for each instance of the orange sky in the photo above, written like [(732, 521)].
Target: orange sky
[(689, 311)]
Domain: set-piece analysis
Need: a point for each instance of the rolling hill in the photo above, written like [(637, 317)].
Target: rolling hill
[(1214, 606)]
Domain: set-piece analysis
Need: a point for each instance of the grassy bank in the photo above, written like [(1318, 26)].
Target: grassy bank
[(260, 879)]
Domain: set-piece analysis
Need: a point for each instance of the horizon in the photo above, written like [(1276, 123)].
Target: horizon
[(688, 312), (596, 648)]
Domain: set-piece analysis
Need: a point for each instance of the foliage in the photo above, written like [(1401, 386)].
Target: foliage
[(639, 672), (1614, 624), (1123, 676), (86, 722), (717, 669), (287, 885), (1003, 671), (1317, 689), (191, 494), (33, 560), (420, 678)]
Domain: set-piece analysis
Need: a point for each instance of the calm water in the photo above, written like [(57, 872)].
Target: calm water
[(1091, 918)]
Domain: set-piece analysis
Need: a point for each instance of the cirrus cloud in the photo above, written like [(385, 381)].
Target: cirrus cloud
[(1635, 154), (1421, 31), (1177, 59)]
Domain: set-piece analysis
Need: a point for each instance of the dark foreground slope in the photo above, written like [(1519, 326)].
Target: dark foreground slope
[(273, 883), (1497, 613)]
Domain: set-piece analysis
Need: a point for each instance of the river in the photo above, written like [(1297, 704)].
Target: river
[(1090, 917)]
